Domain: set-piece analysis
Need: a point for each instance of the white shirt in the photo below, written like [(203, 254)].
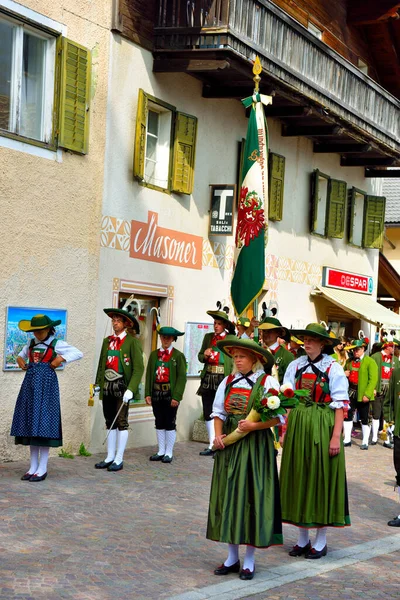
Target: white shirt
[(219, 400), (67, 352), (338, 382)]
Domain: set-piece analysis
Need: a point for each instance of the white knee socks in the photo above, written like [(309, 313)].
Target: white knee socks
[(34, 450), (304, 537), (347, 429), (161, 441), (233, 555), (320, 540), (211, 432), (366, 431), (111, 445), (122, 438), (170, 439), (43, 459), (248, 562), (375, 429)]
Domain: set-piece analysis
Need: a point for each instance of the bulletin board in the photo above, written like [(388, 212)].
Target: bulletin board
[(194, 334)]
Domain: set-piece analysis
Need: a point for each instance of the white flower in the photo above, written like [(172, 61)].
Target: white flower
[(273, 402), (286, 386)]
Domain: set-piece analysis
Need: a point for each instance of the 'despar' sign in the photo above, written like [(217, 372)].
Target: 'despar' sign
[(343, 280)]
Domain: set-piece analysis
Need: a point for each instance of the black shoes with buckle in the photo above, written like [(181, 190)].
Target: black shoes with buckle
[(394, 522), (115, 467), (103, 464), (299, 550), (313, 553), (246, 574), (206, 452), (223, 570), (156, 457), (38, 477)]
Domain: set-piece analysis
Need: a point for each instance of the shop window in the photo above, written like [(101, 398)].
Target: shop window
[(328, 205), (44, 86), (164, 146), (276, 174), (366, 219)]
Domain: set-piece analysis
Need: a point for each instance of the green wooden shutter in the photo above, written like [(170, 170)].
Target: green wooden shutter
[(74, 97), (184, 153), (374, 222), (314, 200), (352, 195), (336, 208), (276, 186), (140, 136)]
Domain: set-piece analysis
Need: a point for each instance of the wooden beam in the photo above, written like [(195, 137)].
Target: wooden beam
[(363, 12), (382, 173), (311, 130), (287, 112), (187, 65), (341, 148), (360, 161)]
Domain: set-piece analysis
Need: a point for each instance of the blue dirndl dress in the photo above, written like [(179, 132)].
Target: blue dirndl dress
[(37, 414)]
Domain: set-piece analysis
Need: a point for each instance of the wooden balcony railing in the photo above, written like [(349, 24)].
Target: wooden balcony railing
[(289, 53)]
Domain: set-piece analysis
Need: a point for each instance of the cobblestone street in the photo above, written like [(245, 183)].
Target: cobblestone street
[(85, 534)]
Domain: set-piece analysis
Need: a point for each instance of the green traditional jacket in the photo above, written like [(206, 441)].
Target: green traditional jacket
[(367, 377), (391, 403), (282, 360), (177, 373), (377, 357), (131, 358), (228, 363)]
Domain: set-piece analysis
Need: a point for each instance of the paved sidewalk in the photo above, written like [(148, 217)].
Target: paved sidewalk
[(139, 534)]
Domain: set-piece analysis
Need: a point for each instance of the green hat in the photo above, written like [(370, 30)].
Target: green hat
[(362, 343), (273, 323), (316, 330), (37, 322), (123, 313), (243, 321), (219, 314), (296, 340), (170, 331), (386, 342), (230, 342)]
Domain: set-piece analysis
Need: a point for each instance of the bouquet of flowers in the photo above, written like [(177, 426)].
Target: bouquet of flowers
[(267, 406)]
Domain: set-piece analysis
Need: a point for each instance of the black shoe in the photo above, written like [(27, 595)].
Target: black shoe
[(299, 550), (246, 574), (364, 447), (347, 444), (206, 452), (223, 570), (394, 522), (103, 464), (155, 457), (313, 553), (167, 459), (38, 477), (115, 467), (26, 477), (388, 445), (373, 443)]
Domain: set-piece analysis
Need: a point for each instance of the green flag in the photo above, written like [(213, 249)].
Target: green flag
[(252, 222)]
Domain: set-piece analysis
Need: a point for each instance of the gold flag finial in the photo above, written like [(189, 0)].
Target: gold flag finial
[(257, 69)]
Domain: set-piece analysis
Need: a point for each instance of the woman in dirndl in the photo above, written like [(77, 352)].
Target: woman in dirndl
[(313, 473), (244, 498), (37, 415)]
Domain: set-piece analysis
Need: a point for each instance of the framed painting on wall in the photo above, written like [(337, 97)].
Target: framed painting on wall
[(15, 339)]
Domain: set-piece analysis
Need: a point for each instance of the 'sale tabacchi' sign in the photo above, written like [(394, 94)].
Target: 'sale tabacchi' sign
[(158, 244), (221, 210), (344, 280)]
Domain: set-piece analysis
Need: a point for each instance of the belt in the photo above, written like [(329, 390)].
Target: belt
[(112, 375), (162, 387), (215, 369)]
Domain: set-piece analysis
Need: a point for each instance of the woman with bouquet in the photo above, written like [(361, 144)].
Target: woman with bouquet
[(244, 498), (313, 472)]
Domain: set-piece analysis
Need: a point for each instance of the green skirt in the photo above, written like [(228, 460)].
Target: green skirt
[(38, 441), (313, 485), (244, 498)]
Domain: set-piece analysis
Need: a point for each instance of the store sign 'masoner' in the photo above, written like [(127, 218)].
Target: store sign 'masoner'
[(343, 280), (158, 244)]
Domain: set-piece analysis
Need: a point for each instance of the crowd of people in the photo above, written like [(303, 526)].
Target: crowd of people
[(337, 383)]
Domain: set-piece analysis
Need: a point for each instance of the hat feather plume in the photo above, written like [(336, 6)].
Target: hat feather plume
[(158, 316)]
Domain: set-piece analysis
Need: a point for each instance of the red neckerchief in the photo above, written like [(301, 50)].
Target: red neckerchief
[(115, 342), (164, 355), (274, 351)]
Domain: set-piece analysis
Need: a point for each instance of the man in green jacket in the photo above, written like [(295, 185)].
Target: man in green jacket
[(119, 374), (216, 367), (386, 361), (165, 384), (272, 329), (391, 413), (362, 373)]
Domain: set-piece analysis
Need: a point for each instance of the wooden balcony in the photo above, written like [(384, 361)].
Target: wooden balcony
[(318, 93)]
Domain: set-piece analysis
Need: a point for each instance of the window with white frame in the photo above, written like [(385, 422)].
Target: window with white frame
[(158, 145), (27, 70)]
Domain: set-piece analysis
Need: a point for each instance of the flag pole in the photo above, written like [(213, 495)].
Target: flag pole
[(257, 69)]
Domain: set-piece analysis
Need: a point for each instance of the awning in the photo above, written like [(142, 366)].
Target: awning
[(361, 306)]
